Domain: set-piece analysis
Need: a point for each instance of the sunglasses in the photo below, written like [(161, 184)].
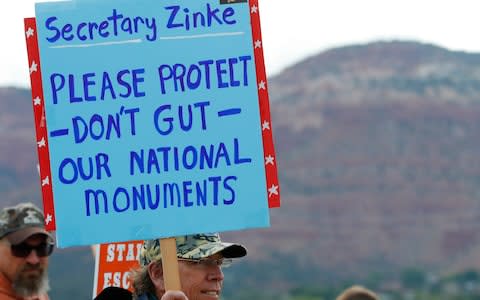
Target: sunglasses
[(24, 249), (222, 262)]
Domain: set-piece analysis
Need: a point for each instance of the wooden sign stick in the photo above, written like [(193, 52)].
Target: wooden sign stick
[(168, 246)]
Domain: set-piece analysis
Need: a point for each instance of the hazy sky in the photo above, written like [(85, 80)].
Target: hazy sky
[(293, 30)]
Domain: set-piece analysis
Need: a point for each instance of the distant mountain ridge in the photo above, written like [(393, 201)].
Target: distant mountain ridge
[(377, 151), (387, 71)]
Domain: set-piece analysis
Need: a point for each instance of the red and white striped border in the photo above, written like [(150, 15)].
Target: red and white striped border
[(273, 186), (31, 39)]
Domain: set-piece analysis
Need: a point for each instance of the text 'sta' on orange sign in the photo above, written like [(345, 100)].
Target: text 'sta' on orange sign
[(113, 265)]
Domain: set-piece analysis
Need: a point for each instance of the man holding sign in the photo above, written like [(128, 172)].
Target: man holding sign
[(201, 258)]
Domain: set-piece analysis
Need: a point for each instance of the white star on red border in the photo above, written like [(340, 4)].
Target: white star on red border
[(29, 32), (254, 9), (33, 67), (258, 44), (37, 101), (269, 160), (261, 85), (41, 143), (48, 219), (265, 125), (273, 190), (45, 181)]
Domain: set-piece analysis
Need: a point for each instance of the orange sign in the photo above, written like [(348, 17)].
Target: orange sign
[(113, 264)]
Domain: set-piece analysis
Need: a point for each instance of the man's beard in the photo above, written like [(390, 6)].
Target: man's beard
[(30, 284)]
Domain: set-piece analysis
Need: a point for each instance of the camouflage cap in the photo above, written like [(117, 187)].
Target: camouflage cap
[(17, 223), (195, 246)]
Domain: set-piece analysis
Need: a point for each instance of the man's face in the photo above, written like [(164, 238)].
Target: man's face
[(27, 274), (201, 281)]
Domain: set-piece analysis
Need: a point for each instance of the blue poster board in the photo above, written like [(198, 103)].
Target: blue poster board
[(153, 120)]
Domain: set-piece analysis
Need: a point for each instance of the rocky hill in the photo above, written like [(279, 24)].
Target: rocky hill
[(378, 157), (377, 149)]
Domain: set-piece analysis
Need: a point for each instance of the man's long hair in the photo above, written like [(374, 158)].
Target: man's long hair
[(141, 281)]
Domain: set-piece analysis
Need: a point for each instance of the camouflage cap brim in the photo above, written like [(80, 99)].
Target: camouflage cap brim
[(195, 246), (228, 250), (21, 235)]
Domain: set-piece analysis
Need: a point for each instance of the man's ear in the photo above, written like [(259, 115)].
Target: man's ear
[(155, 271)]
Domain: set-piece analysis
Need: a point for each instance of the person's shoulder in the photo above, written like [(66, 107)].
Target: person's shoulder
[(5, 296), (114, 293)]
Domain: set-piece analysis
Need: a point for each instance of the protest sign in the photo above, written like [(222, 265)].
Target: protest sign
[(152, 119), (113, 265)]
